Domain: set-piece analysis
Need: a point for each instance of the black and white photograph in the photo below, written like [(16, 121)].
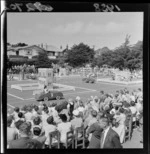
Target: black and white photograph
[(74, 79)]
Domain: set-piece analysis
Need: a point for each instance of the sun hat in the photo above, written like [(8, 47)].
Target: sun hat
[(75, 112)]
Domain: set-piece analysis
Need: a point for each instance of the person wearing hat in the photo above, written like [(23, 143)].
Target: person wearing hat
[(22, 142), (77, 120)]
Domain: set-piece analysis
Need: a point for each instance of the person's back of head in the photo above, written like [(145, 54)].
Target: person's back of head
[(50, 120), (20, 115), (121, 110), (63, 117), (132, 103), (36, 120), (36, 108), (37, 131), (18, 123), (25, 128), (16, 109)]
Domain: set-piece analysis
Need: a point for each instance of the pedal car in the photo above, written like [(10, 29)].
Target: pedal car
[(49, 95)]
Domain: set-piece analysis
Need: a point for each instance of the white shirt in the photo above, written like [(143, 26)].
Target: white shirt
[(105, 133)]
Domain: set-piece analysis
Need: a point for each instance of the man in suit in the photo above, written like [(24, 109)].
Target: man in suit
[(109, 138)]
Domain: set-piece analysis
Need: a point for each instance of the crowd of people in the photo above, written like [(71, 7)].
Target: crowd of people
[(104, 119)]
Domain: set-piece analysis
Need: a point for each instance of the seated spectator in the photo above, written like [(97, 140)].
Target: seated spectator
[(63, 127), (11, 132), (120, 119), (22, 142), (34, 111), (133, 110), (96, 131), (81, 107), (28, 114), (93, 119), (37, 135), (20, 117), (50, 127), (15, 113), (77, 120)]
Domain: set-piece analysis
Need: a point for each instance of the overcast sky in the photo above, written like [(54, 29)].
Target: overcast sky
[(95, 29)]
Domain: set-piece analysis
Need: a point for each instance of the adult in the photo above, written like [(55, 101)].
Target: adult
[(95, 130), (63, 127), (109, 138), (11, 132), (22, 142)]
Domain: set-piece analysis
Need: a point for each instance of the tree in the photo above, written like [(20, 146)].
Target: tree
[(19, 45), (79, 55), (43, 61)]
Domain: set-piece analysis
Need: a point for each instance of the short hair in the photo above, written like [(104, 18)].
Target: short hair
[(116, 107), (18, 123), (36, 131), (25, 128), (104, 119), (121, 110), (132, 103), (50, 120), (94, 113), (36, 108), (139, 89), (20, 115), (31, 145), (37, 120), (16, 109), (63, 117)]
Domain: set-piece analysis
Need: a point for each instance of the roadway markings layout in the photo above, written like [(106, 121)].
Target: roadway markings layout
[(15, 96)]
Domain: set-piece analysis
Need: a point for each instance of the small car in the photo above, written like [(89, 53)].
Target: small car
[(90, 80), (49, 95)]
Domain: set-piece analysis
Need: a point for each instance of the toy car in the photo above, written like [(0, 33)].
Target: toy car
[(90, 80), (49, 95)]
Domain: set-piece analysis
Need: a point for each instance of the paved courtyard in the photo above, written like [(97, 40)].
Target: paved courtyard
[(84, 90)]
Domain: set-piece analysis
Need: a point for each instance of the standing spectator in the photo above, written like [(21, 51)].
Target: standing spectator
[(109, 138), (22, 142)]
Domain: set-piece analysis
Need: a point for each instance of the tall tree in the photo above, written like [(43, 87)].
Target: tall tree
[(43, 61), (79, 55)]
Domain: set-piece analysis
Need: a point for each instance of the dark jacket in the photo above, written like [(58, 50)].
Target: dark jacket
[(112, 140), (22, 143), (96, 131)]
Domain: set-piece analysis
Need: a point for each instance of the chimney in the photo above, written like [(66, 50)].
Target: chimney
[(61, 47)]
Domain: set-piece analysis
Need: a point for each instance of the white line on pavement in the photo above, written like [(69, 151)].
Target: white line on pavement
[(10, 105), (15, 96)]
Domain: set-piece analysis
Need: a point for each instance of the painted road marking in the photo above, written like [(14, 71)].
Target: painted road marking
[(10, 106), (15, 96)]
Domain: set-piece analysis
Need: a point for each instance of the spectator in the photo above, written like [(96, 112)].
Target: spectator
[(11, 132), (28, 114), (109, 138), (15, 113), (48, 128), (63, 127), (37, 135), (77, 120), (22, 142)]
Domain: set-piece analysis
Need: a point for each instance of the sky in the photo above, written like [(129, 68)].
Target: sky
[(98, 29)]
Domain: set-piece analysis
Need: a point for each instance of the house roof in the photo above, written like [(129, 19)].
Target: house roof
[(24, 47), (52, 48)]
